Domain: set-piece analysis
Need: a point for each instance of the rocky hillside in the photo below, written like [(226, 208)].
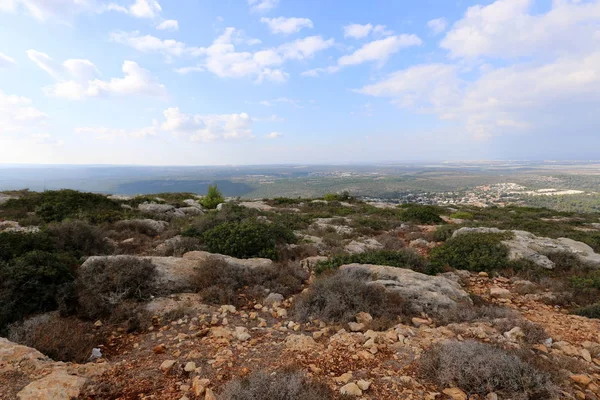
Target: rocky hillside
[(176, 296)]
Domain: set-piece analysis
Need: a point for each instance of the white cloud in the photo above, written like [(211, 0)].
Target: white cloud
[(168, 25), (6, 61), (206, 128), (438, 25), (380, 50), (509, 28), (286, 25), (274, 135), (77, 79), (222, 59), (357, 31), (19, 116), (318, 71), (285, 100), (43, 10), (150, 44), (512, 98), (262, 5), (139, 9), (304, 48)]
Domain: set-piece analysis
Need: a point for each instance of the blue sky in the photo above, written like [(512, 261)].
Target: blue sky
[(198, 82)]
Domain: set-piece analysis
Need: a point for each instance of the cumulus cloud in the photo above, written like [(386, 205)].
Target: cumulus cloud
[(286, 25), (510, 28), (152, 44), (504, 99), (224, 60), (18, 115), (64, 10), (262, 5), (207, 128), (78, 79), (274, 135), (378, 51), (168, 25), (438, 25), (358, 31), (6, 61)]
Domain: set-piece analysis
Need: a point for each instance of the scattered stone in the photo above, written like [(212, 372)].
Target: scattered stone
[(499, 293), (300, 343), (455, 393), (417, 322), (241, 333), (209, 395), (355, 326), (167, 365), (516, 334), (58, 385), (344, 378), (585, 353), (273, 298), (364, 318), (190, 366), (199, 385), (581, 379), (351, 389), (363, 384)]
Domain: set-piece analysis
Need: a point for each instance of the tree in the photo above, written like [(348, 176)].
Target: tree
[(213, 197)]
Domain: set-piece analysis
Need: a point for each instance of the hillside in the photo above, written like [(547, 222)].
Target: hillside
[(177, 296)]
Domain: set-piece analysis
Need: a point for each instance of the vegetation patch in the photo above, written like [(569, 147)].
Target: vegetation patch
[(473, 252), (280, 385), (479, 369), (338, 297), (422, 214), (403, 258)]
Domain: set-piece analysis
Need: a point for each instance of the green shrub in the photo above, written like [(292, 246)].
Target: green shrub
[(444, 232), (32, 283), (102, 284), (591, 311), (16, 244), (213, 198), (247, 239), (404, 258), (79, 238), (422, 214), (343, 196), (462, 215), (229, 213), (479, 369), (57, 205), (473, 252)]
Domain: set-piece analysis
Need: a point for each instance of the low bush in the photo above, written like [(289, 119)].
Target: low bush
[(280, 385), (229, 213), (213, 198), (62, 339), (79, 238), (343, 196), (462, 215), (16, 244), (444, 232), (221, 283), (591, 311), (32, 284), (103, 284), (479, 369), (403, 258), (338, 297), (247, 239), (422, 214), (533, 332), (146, 227), (473, 252)]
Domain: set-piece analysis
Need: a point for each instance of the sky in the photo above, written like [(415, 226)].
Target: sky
[(207, 82)]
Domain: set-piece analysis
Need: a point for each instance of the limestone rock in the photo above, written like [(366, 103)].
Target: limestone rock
[(426, 293), (525, 245), (273, 298), (364, 318), (363, 245), (499, 293), (167, 365), (351, 389), (58, 385), (581, 379), (300, 343), (455, 393), (199, 385)]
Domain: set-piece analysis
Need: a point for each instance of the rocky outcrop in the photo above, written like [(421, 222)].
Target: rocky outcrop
[(362, 245), (48, 380), (176, 274), (424, 293), (527, 246), (256, 205), (13, 226)]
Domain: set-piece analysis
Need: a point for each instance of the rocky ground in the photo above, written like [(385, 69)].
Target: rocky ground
[(192, 349)]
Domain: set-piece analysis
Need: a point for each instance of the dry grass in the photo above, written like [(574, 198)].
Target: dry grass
[(479, 368), (280, 385)]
